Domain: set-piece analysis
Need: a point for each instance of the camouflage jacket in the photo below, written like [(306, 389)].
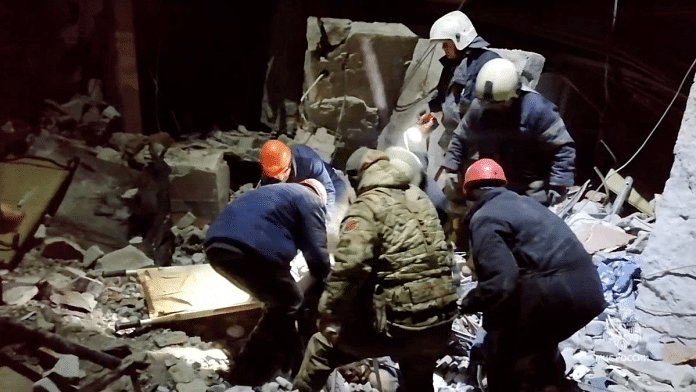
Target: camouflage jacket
[(391, 239)]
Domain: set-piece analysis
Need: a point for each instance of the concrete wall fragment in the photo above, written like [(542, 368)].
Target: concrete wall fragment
[(200, 180), (342, 100), (665, 302)]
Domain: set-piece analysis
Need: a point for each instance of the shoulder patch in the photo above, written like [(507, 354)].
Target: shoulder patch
[(350, 225)]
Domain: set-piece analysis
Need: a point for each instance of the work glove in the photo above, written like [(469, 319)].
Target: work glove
[(556, 194), (451, 187), (427, 123)]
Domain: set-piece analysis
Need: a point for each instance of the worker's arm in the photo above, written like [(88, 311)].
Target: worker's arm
[(456, 150), (554, 139), (495, 265), (351, 262), (313, 244)]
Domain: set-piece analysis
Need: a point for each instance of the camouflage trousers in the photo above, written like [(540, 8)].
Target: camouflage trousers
[(416, 353)]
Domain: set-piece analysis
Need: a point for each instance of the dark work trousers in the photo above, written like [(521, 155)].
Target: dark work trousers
[(416, 353), (275, 341), (514, 364)]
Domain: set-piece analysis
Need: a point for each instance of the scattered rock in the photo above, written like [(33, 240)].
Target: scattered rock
[(19, 295), (62, 249), (193, 386), (170, 338), (182, 372)]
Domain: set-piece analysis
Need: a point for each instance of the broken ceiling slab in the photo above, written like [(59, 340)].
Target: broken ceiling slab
[(199, 181)]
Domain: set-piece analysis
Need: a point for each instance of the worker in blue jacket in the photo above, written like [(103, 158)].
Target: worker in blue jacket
[(280, 163), (465, 53), (536, 284), (251, 243), (519, 129)]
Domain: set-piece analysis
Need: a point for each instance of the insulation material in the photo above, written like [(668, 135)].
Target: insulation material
[(187, 292)]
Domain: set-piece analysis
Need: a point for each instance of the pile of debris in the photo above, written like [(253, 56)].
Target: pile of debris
[(84, 117), (60, 290)]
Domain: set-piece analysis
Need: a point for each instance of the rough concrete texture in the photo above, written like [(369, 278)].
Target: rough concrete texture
[(665, 300), (200, 180), (528, 64), (336, 47)]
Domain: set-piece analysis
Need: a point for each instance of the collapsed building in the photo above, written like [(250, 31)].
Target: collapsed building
[(92, 284)]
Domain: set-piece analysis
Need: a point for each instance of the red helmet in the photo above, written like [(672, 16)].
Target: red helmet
[(482, 170), (275, 159)]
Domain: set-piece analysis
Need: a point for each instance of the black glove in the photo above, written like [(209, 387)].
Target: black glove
[(556, 194)]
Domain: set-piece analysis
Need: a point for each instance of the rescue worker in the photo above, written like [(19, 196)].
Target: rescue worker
[(251, 243), (521, 130), (280, 163), (390, 291), (465, 54), (536, 284), (10, 219)]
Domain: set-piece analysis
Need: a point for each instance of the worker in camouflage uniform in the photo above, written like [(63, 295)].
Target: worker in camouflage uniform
[(390, 291)]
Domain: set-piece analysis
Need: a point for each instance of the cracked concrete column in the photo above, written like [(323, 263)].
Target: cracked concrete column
[(666, 302)]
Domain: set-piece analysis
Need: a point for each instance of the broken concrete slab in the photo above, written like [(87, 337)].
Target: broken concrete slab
[(66, 369), (128, 258), (199, 181), (82, 301), (19, 295), (344, 91), (91, 255), (186, 220)]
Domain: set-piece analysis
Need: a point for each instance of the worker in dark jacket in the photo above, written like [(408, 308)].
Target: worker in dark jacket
[(518, 128), (298, 162), (536, 283), (465, 53), (251, 244)]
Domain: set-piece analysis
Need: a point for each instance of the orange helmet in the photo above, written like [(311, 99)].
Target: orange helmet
[(275, 159), (482, 170)]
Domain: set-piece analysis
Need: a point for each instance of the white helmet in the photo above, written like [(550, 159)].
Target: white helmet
[(407, 162), (317, 187), (497, 81), (454, 26)]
